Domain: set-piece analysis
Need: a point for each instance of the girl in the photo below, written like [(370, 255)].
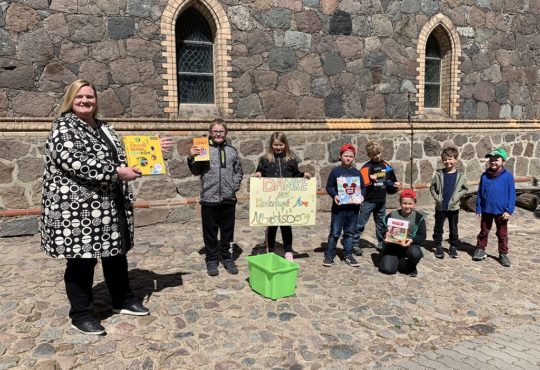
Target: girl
[(279, 161)]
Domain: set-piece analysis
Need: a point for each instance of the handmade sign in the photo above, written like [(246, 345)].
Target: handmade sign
[(144, 152), (282, 201), (349, 190)]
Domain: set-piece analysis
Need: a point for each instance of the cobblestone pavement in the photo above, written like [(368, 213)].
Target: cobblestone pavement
[(456, 314)]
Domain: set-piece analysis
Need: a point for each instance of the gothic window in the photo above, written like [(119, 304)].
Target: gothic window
[(432, 83)]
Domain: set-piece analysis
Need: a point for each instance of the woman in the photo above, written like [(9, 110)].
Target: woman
[(87, 206)]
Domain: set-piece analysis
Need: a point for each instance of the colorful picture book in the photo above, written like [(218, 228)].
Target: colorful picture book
[(144, 152), (397, 231), (204, 146), (349, 190)]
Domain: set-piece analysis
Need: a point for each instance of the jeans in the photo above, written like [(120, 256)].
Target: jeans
[(502, 232), (452, 217), (392, 253), (379, 212), (343, 220)]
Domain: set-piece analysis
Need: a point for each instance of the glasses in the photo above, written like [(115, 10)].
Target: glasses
[(222, 133)]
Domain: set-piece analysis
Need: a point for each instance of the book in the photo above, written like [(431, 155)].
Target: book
[(396, 231), (349, 190), (144, 152), (204, 146)]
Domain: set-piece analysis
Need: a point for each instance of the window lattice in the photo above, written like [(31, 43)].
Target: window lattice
[(432, 87)]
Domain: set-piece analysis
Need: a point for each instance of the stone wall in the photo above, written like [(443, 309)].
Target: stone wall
[(21, 165), (289, 58)]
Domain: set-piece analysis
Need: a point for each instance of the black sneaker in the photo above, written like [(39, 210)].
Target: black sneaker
[(212, 268), (413, 273), (452, 251), (328, 261), (504, 260), (349, 260), (135, 309), (479, 255), (439, 251), (89, 327), (230, 266), (357, 250)]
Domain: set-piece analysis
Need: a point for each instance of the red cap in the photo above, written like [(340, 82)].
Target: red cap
[(346, 147), (408, 193)]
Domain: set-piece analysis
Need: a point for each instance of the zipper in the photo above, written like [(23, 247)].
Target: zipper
[(279, 166)]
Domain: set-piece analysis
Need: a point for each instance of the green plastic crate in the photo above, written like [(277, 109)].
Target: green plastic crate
[(272, 276)]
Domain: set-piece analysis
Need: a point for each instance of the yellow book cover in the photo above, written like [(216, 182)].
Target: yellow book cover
[(144, 152), (204, 146)]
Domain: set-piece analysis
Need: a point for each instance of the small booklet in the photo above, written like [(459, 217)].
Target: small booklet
[(144, 152), (349, 190), (397, 231), (204, 146)]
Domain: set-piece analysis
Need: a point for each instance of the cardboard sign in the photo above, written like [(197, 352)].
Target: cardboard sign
[(282, 201), (144, 152), (349, 190)]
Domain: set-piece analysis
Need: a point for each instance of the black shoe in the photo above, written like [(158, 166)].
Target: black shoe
[(413, 273), (89, 327), (504, 260), (135, 309), (212, 268), (357, 251), (349, 260), (439, 251), (479, 255), (230, 266), (327, 261), (452, 251)]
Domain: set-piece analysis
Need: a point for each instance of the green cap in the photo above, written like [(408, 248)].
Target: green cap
[(498, 152)]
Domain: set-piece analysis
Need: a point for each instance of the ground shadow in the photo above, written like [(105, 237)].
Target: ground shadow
[(143, 283), (236, 251)]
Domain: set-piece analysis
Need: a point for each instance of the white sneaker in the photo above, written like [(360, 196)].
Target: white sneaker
[(289, 256)]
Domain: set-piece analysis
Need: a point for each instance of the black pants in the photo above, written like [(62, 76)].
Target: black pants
[(79, 278), (286, 235), (452, 217), (218, 218), (391, 255)]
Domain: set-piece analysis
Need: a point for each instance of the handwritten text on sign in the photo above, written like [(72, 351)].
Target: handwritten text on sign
[(282, 201)]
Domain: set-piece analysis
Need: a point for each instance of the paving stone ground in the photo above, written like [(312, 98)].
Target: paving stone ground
[(456, 314)]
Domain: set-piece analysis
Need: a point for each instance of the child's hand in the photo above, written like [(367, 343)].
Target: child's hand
[(257, 174), (373, 177), (397, 184), (478, 216), (406, 243), (307, 175), (194, 151), (505, 216), (336, 199)]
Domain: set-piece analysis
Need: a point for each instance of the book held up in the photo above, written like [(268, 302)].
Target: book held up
[(144, 153), (204, 147), (397, 231), (349, 190)]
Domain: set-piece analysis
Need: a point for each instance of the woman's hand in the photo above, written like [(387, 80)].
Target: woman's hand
[(128, 173), (166, 143)]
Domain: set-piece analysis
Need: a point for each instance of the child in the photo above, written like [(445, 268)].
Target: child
[(447, 187), (496, 202), (379, 179), (416, 235), (279, 161), (220, 180), (344, 216)]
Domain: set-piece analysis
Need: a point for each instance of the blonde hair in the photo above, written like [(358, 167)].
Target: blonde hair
[(69, 96), (218, 121), (279, 136), (373, 148)]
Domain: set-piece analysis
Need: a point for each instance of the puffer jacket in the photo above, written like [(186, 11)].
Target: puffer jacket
[(220, 177), (279, 167), (437, 186)]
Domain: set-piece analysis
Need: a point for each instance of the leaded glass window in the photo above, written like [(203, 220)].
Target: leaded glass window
[(194, 58), (432, 88)]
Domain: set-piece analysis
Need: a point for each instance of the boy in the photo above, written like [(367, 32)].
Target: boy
[(496, 202), (379, 179), (447, 187), (344, 216), (220, 180), (416, 235)]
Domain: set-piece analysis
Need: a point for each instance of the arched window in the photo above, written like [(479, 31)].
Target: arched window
[(432, 83), (195, 65)]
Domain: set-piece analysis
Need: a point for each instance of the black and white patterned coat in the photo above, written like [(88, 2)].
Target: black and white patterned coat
[(81, 214)]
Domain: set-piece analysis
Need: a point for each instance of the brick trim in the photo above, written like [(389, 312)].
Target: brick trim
[(443, 29), (214, 13)]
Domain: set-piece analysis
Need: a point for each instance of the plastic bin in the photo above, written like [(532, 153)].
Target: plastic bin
[(272, 276)]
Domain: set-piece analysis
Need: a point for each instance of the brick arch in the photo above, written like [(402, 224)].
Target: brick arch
[(214, 13), (444, 31)]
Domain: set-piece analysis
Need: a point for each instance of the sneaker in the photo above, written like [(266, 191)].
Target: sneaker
[(439, 251), (212, 268), (89, 327), (135, 309), (479, 255), (328, 261), (413, 273), (357, 250), (452, 251), (349, 260), (230, 266), (289, 256), (504, 260)]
